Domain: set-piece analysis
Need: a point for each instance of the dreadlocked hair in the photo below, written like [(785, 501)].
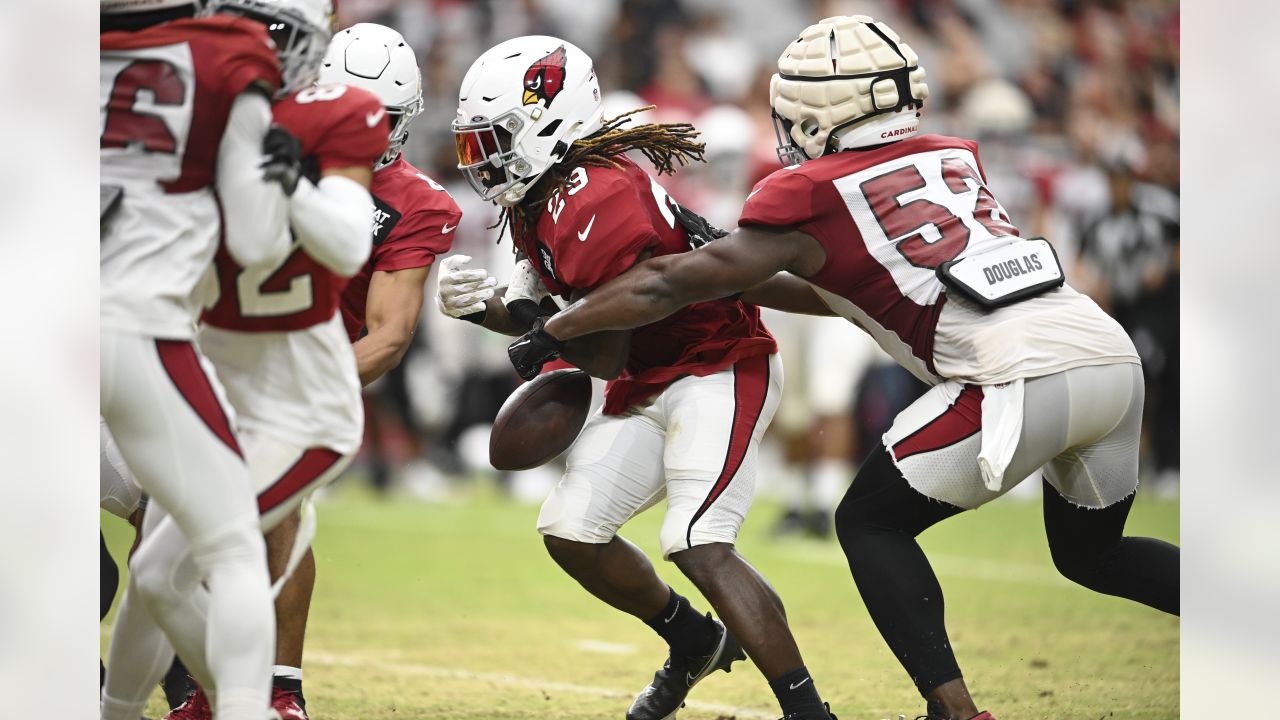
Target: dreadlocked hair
[(666, 145)]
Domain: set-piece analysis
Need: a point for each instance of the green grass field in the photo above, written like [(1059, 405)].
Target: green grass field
[(454, 611)]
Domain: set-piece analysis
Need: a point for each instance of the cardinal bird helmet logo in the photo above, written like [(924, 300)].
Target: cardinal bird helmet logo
[(545, 78)]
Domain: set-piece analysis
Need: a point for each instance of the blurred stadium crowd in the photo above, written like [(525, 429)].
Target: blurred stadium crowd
[(1074, 102)]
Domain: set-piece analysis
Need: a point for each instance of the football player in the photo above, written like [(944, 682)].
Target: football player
[(898, 232), (274, 333), (413, 220), (689, 397), (185, 110)]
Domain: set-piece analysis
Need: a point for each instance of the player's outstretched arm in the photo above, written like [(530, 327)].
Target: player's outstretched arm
[(255, 210), (658, 287), (788, 293), (391, 316)]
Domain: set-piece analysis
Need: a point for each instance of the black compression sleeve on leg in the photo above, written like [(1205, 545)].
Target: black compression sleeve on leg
[(877, 523), (108, 578), (1089, 548)]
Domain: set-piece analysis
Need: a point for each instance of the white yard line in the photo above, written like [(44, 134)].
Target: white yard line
[(519, 681)]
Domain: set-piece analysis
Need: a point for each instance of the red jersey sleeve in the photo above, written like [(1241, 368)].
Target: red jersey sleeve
[(246, 55), (784, 199), (419, 238), (338, 125), (599, 232)]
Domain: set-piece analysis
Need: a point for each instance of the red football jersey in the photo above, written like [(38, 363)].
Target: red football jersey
[(413, 221), (887, 217), (595, 230), (338, 126), (169, 91)]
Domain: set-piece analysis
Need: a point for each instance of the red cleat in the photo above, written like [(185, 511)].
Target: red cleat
[(196, 707), (287, 705)]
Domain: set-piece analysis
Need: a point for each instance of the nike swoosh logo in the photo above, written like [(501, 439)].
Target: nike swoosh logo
[(520, 344), (582, 236), (673, 612), (374, 118), (445, 229), (796, 685)]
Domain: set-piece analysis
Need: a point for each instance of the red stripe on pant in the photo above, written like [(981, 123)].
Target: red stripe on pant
[(750, 389), (313, 463), (963, 419), (182, 364)]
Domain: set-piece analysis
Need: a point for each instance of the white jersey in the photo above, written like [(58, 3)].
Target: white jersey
[(166, 97), (300, 386), (887, 218)]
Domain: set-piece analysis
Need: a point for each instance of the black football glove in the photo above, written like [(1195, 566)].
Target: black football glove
[(533, 349), (700, 231), (283, 158)]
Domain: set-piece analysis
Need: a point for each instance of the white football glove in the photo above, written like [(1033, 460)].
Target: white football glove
[(524, 284), (462, 292)]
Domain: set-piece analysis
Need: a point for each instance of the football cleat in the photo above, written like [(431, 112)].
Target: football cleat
[(936, 714), (196, 707), (287, 705), (671, 684)]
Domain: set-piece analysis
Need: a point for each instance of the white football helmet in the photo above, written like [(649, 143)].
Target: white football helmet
[(300, 29), (378, 59), (841, 84), (521, 105)]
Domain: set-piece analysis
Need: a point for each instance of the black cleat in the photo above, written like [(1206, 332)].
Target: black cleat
[(672, 683)]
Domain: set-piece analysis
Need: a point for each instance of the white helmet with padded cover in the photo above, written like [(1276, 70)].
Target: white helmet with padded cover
[(846, 82), (301, 30), (521, 105), (378, 59)]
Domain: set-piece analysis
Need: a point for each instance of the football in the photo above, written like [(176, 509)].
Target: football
[(540, 420)]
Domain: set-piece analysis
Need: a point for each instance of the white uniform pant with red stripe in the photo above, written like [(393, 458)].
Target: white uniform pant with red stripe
[(1080, 426), (164, 409), (696, 444)]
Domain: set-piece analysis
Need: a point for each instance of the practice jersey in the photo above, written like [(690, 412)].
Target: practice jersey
[(166, 94), (338, 126), (887, 217), (597, 228), (274, 334), (413, 221)]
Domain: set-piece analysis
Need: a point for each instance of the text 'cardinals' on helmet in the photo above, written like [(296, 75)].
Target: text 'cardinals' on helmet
[(301, 30), (846, 82), (378, 59), (521, 105)]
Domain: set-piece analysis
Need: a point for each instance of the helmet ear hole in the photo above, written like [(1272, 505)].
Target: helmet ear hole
[(550, 129), (810, 126)]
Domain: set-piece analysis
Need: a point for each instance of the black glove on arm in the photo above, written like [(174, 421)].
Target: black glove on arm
[(700, 231), (533, 349), (283, 161)]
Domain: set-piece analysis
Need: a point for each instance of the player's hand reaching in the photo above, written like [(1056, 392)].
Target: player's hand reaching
[(533, 349), (461, 292), (282, 158)]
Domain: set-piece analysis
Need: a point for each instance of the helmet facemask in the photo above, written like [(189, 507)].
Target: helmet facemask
[(400, 118), (300, 44)]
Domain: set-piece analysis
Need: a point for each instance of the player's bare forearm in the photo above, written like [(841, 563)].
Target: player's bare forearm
[(787, 293), (391, 316), (602, 355), (658, 287)]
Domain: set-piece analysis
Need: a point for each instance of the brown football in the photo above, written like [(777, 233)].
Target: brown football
[(540, 420)]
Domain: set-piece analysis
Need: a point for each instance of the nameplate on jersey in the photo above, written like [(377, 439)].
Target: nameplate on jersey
[(1008, 274), (385, 219)]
